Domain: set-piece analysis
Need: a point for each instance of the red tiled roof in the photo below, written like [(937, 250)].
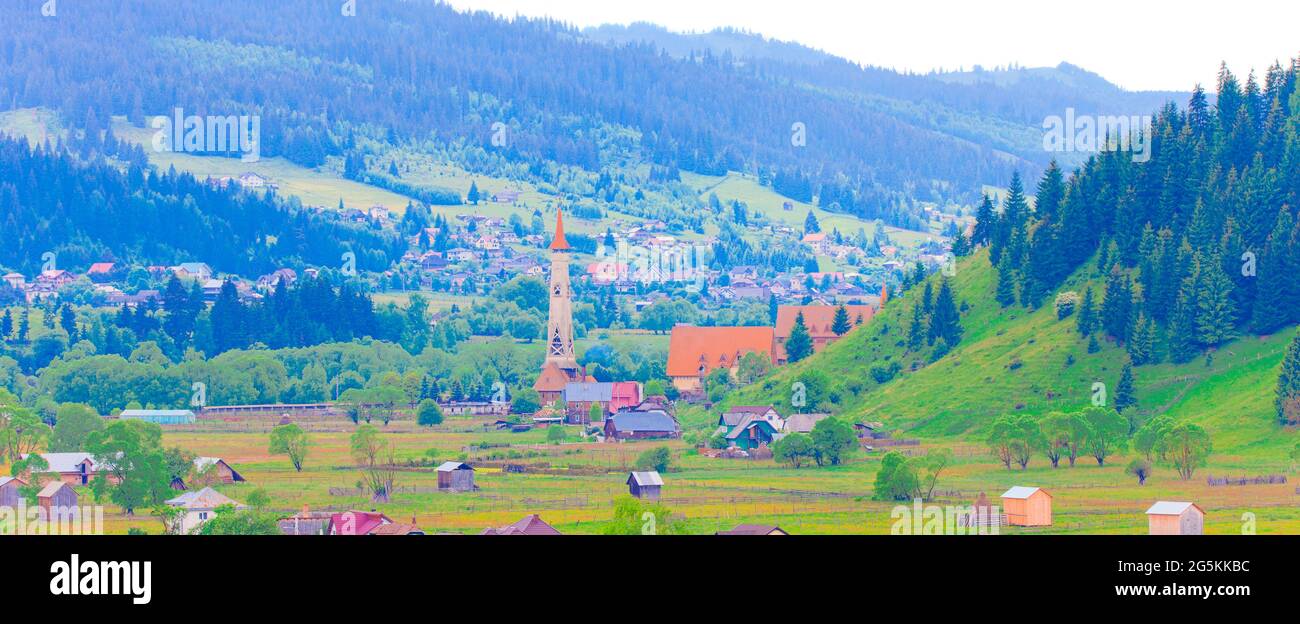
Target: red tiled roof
[(818, 318), (691, 348), (530, 525)]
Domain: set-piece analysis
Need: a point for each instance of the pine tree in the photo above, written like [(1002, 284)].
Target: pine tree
[(810, 224), (1215, 313), (1116, 307), (1124, 394), (1141, 344), (1276, 278), (799, 345), (945, 324), (1087, 314), (1288, 385), (1006, 290), (841, 324), (6, 325), (772, 308), (985, 222), (473, 196), (1183, 345), (916, 332)]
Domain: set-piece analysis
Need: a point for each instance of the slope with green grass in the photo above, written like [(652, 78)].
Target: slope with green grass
[(1014, 360)]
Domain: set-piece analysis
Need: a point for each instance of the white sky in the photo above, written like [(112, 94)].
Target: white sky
[(1114, 38)]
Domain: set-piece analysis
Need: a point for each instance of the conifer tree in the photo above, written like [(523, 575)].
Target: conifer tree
[(1215, 313), (1087, 314), (945, 324), (799, 345), (1006, 289), (1288, 385), (1124, 394), (841, 324), (1116, 307)]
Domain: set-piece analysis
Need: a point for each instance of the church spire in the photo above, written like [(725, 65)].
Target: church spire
[(559, 243)]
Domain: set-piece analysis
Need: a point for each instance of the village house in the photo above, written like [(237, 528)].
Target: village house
[(9, 495), (216, 470), (16, 281), (754, 529), (645, 485), (249, 179), (101, 271), (359, 523), (820, 321), (530, 525), (1175, 518), (200, 506), (199, 271), (694, 352), (305, 522), (751, 433), (611, 396), (735, 415), (1027, 506), (269, 282), (802, 423), (637, 425), (456, 477), (57, 499), (73, 468)]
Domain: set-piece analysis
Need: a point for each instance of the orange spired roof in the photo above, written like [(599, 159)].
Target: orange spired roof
[(559, 243), (699, 350)]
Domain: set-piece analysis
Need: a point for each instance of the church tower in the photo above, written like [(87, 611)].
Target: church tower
[(559, 326), (561, 364)]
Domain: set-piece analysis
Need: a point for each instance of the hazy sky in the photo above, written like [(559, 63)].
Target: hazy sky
[(1111, 37)]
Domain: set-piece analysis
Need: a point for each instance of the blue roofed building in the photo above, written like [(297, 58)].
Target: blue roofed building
[(641, 425)]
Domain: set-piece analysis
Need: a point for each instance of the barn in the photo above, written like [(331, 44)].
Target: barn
[(56, 496), (645, 485), (456, 477), (9, 495), (1027, 506), (1176, 518)]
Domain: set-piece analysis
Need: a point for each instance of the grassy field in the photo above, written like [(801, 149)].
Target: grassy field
[(574, 485), (770, 204)]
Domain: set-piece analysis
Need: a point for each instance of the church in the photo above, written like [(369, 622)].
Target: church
[(561, 364)]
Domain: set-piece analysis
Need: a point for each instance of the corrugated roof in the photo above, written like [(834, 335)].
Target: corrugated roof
[(52, 488), (206, 498), (68, 462), (530, 525), (754, 529), (143, 413), (1170, 508), (1021, 491), (644, 421), (451, 466), (5, 481), (646, 478), (588, 392), (803, 423)]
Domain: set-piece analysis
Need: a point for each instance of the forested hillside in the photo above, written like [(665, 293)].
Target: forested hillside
[(1180, 270), (87, 210), (419, 71)]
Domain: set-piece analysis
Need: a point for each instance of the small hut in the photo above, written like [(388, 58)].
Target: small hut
[(9, 495), (456, 477), (56, 497), (1027, 506), (645, 485), (1176, 518)]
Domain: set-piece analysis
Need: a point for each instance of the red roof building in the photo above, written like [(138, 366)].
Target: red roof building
[(530, 525), (694, 352)]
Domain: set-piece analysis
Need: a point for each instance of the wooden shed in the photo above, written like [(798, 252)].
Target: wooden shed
[(1176, 518), (56, 495), (1027, 506), (456, 477), (645, 485), (9, 495)]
